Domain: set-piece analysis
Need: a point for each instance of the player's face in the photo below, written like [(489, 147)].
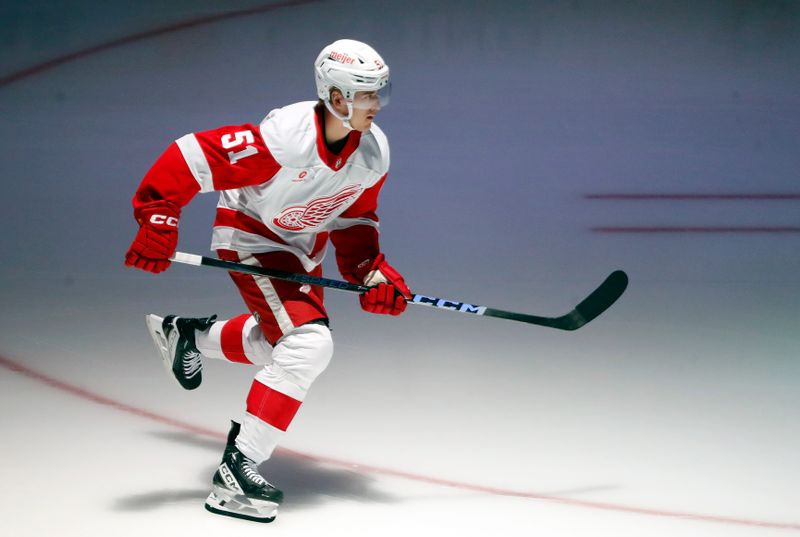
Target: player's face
[(366, 105)]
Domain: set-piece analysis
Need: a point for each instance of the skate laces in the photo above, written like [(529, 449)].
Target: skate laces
[(192, 358), (251, 472), (192, 363)]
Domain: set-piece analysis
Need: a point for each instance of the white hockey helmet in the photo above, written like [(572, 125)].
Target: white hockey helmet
[(351, 66)]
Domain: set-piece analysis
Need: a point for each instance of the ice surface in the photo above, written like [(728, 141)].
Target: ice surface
[(674, 413)]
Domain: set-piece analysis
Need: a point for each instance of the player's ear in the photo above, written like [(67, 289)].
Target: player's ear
[(338, 101)]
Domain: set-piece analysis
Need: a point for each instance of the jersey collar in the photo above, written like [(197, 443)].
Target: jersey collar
[(333, 161)]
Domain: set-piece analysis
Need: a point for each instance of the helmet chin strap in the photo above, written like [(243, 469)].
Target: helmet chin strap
[(344, 119)]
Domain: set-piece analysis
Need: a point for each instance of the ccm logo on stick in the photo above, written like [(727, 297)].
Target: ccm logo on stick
[(160, 219), (448, 304)]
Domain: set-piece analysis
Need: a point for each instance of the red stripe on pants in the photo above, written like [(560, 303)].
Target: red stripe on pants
[(257, 303), (302, 303), (232, 340), (271, 406)]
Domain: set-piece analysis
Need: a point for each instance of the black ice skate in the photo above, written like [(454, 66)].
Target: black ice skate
[(174, 339), (239, 490)]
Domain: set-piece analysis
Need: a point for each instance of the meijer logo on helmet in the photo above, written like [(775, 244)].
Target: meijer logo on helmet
[(340, 57)]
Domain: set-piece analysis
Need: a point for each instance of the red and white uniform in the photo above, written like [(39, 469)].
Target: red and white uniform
[(283, 195), (283, 190)]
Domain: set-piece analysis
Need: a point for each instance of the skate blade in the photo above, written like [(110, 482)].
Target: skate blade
[(222, 502), (154, 326)]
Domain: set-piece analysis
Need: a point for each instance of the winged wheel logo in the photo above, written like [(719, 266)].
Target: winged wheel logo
[(300, 217)]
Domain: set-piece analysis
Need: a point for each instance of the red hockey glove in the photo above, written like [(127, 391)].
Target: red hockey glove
[(389, 291), (157, 238)]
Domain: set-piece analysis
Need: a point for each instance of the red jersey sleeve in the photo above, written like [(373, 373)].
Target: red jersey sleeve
[(356, 239), (220, 159)]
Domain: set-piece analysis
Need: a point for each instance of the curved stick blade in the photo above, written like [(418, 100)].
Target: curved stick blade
[(599, 301)]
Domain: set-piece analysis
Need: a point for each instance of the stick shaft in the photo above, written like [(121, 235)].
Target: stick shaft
[(200, 260), (422, 300), (600, 300)]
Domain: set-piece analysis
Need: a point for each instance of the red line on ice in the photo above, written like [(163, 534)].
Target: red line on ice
[(83, 393), (697, 229), (688, 196), (140, 36)]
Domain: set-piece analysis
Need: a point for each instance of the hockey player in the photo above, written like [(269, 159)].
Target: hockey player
[(309, 172)]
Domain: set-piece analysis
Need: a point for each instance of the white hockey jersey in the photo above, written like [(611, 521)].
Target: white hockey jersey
[(281, 188)]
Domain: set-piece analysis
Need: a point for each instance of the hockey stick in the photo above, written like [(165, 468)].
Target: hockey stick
[(596, 303)]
